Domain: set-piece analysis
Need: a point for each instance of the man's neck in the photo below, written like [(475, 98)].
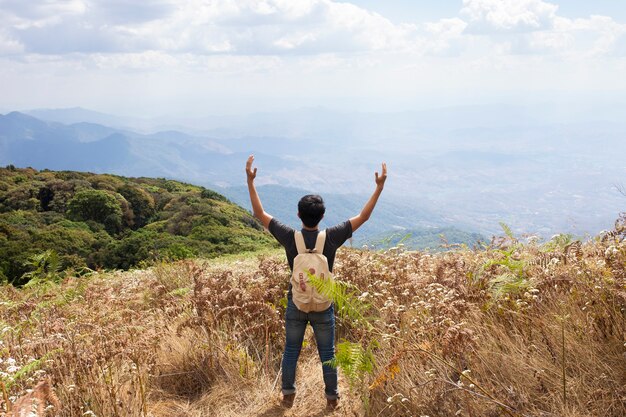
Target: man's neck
[(311, 229)]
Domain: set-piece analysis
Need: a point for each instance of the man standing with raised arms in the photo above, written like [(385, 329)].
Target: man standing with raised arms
[(310, 211)]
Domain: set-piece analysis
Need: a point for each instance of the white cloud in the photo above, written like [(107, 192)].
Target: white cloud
[(8, 45), (38, 13), (276, 27), (533, 27), (445, 37), (508, 15), (249, 27), (194, 49), (295, 27), (597, 35)]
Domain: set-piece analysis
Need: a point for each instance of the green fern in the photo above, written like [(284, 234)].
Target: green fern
[(508, 283), (558, 242), (345, 298), (405, 238), (354, 361), (27, 369), (507, 231), (46, 267)]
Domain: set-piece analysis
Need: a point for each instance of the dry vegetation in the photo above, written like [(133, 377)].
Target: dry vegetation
[(517, 329)]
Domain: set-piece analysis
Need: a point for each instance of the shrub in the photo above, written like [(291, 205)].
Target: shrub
[(99, 206), (141, 203)]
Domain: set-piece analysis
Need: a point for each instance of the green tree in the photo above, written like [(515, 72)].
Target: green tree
[(140, 202), (99, 206)]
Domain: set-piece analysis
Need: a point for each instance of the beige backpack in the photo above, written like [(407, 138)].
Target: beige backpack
[(309, 261)]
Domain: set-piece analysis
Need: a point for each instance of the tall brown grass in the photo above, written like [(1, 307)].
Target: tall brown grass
[(504, 330)]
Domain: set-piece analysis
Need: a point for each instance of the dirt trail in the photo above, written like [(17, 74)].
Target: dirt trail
[(263, 400)]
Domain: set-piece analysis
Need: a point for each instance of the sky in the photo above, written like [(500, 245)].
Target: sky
[(199, 57)]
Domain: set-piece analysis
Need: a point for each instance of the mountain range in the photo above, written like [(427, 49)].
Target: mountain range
[(26, 141), (469, 168)]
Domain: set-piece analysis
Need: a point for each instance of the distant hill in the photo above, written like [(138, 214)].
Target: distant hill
[(108, 221), (27, 141), (81, 115)]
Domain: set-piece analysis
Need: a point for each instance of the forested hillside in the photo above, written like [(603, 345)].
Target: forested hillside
[(58, 220)]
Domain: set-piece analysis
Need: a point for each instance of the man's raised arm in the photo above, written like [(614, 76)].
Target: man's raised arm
[(257, 207), (366, 212)]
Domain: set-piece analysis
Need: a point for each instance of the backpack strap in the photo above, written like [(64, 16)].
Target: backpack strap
[(319, 243), (300, 246)]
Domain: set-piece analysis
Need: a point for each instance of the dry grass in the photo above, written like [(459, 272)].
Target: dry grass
[(505, 330)]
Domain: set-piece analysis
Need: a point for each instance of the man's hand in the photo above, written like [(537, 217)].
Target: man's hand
[(380, 180), (257, 207), (251, 173), (366, 212)]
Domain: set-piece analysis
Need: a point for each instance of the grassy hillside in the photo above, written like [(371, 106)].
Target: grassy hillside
[(512, 330), (107, 221)]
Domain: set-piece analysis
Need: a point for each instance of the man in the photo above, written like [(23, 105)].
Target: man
[(310, 211)]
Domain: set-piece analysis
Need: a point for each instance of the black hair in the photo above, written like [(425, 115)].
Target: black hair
[(311, 209)]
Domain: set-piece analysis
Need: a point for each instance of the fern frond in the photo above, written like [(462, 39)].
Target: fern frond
[(29, 368), (353, 360), (344, 296), (508, 283), (405, 238), (507, 231)]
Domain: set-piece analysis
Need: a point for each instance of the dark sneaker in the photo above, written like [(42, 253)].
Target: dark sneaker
[(332, 404), (287, 401)]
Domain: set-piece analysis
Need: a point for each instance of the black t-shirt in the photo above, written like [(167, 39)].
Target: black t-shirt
[(335, 237)]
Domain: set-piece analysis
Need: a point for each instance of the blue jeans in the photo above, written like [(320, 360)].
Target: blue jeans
[(323, 324)]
